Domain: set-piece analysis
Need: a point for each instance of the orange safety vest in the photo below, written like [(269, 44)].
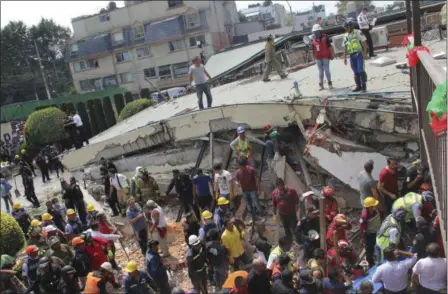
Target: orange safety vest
[(275, 270), (92, 284)]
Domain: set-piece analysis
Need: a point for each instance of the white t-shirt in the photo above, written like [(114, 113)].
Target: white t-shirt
[(223, 181), (431, 273), (363, 22), (162, 221), (77, 120), (119, 177), (199, 76)]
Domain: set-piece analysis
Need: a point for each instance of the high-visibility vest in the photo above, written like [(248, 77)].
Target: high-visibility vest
[(244, 147), (92, 284), (383, 236), (278, 251), (351, 43), (275, 270), (406, 202)]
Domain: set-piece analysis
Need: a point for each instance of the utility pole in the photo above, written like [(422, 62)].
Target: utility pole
[(292, 16), (42, 71)]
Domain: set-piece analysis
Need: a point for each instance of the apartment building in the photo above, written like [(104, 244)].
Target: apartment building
[(147, 40), (306, 19), (271, 16)]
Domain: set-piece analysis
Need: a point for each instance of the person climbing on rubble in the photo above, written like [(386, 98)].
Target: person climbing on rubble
[(390, 231), (271, 141), (196, 263), (285, 203), (207, 225), (137, 281), (221, 212), (202, 80), (284, 246), (61, 251), (92, 214), (54, 215), (242, 145), (356, 48), (323, 53), (136, 219), (336, 229), (370, 223), (306, 231), (201, 190), (159, 227), (271, 60), (184, 189), (388, 184), (81, 260), (119, 184), (191, 226), (144, 185), (97, 280), (156, 269), (224, 183), (216, 255), (21, 217), (413, 204), (331, 208), (247, 178)]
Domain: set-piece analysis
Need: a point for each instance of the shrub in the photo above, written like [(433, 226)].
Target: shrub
[(134, 107), (93, 118), (119, 102), (45, 126), (109, 112), (13, 239), (44, 106), (100, 114), (85, 118)]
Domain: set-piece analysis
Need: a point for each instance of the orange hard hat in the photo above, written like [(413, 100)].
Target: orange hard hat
[(425, 187), (77, 241), (327, 191), (31, 249)]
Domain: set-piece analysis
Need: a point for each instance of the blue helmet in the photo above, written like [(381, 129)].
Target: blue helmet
[(399, 214), (428, 196), (348, 23), (240, 130)]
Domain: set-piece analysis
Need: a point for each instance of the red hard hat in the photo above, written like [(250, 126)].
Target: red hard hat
[(267, 127), (425, 187), (327, 191), (31, 249)]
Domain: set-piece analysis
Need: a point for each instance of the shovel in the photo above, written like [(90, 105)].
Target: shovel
[(16, 191)]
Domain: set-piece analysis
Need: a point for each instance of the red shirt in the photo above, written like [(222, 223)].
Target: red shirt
[(104, 228), (365, 216), (96, 254), (247, 176), (330, 208), (285, 203), (390, 180)]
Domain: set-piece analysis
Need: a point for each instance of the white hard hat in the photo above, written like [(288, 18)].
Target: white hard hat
[(316, 27), (193, 240), (49, 228), (107, 266)]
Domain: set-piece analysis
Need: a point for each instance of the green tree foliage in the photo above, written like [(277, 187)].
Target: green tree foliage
[(93, 118), (145, 93), (128, 97), (109, 112), (134, 107), (13, 239), (119, 102), (45, 126), (99, 113), (85, 118), (45, 106)]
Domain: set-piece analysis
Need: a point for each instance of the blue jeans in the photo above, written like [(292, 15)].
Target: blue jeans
[(357, 64), (220, 275), (252, 202), (6, 200), (204, 88), (323, 65)]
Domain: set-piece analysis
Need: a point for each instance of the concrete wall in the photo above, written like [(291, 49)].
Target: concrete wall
[(245, 28)]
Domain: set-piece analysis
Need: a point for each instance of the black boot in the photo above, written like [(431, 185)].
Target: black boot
[(363, 81), (358, 83), (363, 88)]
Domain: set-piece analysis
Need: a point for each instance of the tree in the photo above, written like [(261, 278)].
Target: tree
[(242, 17), (267, 3), (13, 239), (45, 126), (109, 112), (134, 107)]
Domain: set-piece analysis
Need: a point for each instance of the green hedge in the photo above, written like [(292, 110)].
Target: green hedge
[(93, 118), (44, 106), (45, 126), (135, 106), (109, 112), (11, 235)]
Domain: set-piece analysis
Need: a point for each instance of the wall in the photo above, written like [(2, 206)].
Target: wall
[(245, 28)]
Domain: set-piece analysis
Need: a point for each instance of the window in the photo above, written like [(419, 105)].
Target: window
[(85, 64), (104, 17), (174, 3), (150, 72), (194, 40), (177, 45), (74, 48), (110, 82), (139, 33), (123, 56), (85, 85), (165, 72), (180, 69), (192, 20), (117, 37), (92, 84), (142, 52), (126, 77)]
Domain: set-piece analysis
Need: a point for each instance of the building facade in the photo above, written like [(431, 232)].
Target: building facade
[(306, 19), (271, 16), (147, 40)]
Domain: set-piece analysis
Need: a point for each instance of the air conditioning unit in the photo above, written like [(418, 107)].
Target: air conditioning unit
[(379, 39)]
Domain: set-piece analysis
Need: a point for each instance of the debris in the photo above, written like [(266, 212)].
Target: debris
[(441, 55), (383, 61), (402, 65)]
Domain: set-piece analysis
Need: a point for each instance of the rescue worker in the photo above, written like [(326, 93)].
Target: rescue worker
[(190, 226), (224, 183), (74, 226), (68, 284), (346, 256), (282, 265), (43, 163), (356, 48), (137, 281), (370, 223), (323, 53), (47, 220), (55, 216), (413, 203), (285, 202), (95, 249), (216, 255), (79, 200), (222, 212), (284, 246), (271, 141), (330, 204), (61, 251), (68, 195), (184, 189), (135, 217), (159, 227), (337, 229), (285, 284), (271, 60), (51, 230), (28, 184), (144, 185), (309, 223), (36, 237), (426, 234), (119, 184), (81, 260), (97, 280), (156, 269), (92, 214), (196, 263), (317, 265), (27, 160), (415, 177), (233, 240), (49, 274), (428, 205), (22, 217), (201, 190), (207, 225), (242, 145), (29, 268), (390, 231), (103, 225)]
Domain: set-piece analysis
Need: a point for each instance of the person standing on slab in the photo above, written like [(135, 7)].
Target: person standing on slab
[(201, 77), (323, 53), (365, 27), (271, 60)]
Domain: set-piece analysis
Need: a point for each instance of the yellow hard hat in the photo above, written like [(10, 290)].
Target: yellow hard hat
[(206, 214), (131, 267), (35, 223), (22, 151), (71, 211), (46, 216), (222, 201), (17, 156), (90, 207), (370, 202), (17, 205)]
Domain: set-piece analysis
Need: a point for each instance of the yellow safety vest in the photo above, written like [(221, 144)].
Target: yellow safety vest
[(383, 236), (278, 251), (351, 43), (244, 147), (406, 202)]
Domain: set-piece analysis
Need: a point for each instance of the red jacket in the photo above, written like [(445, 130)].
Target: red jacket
[(96, 252), (339, 230), (330, 208), (321, 48), (104, 228)]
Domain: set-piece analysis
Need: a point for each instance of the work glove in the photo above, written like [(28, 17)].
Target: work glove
[(110, 254)]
